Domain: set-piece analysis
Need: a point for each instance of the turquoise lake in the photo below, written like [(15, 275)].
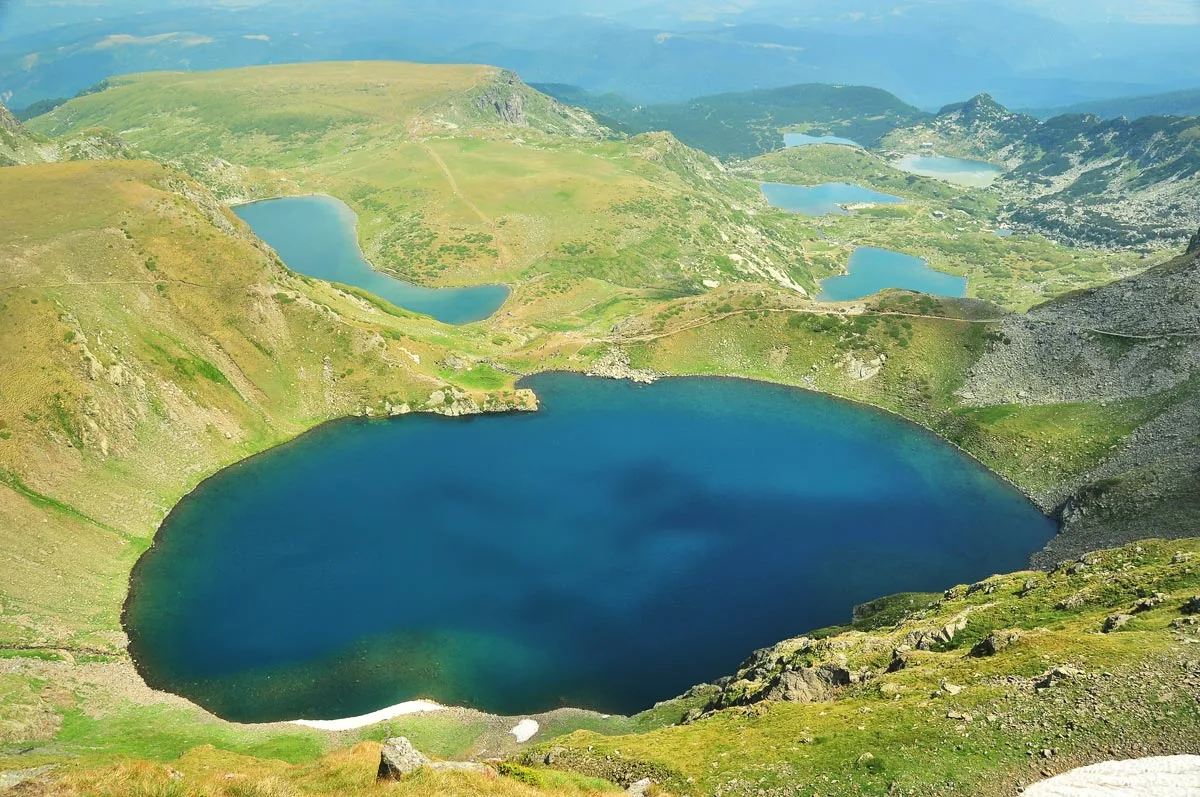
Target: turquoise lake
[(820, 200), (959, 171), (804, 140), (872, 270), (617, 547), (315, 236)]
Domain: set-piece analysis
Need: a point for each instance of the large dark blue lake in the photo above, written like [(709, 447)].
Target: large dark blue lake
[(609, 551), (315, 236)]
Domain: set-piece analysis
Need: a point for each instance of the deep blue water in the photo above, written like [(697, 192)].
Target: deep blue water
[(610, 551), (804, 140), (315, 236), (960, 171), (819, 200), (872, 270)]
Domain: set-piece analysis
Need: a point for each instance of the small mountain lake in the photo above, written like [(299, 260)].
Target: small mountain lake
[(872, 270), (617, 547), (804, 140), (315, 236), (959, 171), (821, 200)]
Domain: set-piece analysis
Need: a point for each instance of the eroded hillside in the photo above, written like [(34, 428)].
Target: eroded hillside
[(1134, 341)]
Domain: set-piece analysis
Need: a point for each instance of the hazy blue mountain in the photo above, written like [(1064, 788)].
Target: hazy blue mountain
[(929, 52), (745, 124), (1174, 103)]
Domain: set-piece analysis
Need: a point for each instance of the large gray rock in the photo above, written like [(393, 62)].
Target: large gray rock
[(399, 758), (1194, 244)]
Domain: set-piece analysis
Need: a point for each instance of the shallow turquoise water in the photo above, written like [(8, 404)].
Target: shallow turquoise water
[(315, 236), (819, 200), (872, 270), (960, 171), (612, 550), (804, 140)]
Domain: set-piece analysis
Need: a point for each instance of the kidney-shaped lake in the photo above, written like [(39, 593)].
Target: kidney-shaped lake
[(610, 551), (315, 236)]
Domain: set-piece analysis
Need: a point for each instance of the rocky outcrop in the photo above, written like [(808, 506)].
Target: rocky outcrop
[(504, 98), (398, 759), (615, 364), (1194, 244), (9, 123)]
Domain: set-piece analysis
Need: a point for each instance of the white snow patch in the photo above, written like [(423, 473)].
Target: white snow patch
[(1171, 776), (384, 714), (525, 730)]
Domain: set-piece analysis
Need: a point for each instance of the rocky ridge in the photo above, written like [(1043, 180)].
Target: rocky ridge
[(1076, 178)]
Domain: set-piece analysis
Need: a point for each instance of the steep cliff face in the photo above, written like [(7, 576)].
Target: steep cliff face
[(1134, 342), (502, 98), (17, 145)]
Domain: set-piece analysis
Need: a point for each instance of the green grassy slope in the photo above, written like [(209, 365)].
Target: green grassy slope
[(450, 185)]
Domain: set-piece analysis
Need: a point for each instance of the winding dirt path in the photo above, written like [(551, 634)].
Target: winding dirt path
[(503, 255)]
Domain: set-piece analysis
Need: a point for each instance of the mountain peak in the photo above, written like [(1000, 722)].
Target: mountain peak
[(980, 106)]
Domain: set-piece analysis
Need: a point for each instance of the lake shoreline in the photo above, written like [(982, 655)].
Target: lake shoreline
[(428, 300), (914, 445)]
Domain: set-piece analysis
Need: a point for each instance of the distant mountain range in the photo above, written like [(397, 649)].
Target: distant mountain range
[(1174, 103), (929, 52), (745, 124)]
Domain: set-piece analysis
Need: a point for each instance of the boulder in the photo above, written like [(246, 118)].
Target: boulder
[(399, 759), (995, 642), (1146, 604), (1057, 675), (640, 788), (1116, 622), (1192, 605), (1194, 244)]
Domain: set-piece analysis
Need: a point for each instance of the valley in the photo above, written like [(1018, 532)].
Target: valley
[(160, 341)]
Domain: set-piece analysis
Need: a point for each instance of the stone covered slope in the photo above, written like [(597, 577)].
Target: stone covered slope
[(1136, 340), (1111, 183), (978, 128), (977, 691)]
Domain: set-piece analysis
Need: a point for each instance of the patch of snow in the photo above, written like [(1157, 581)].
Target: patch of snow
[(525, 730), (384, 714), (1171, 776)]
